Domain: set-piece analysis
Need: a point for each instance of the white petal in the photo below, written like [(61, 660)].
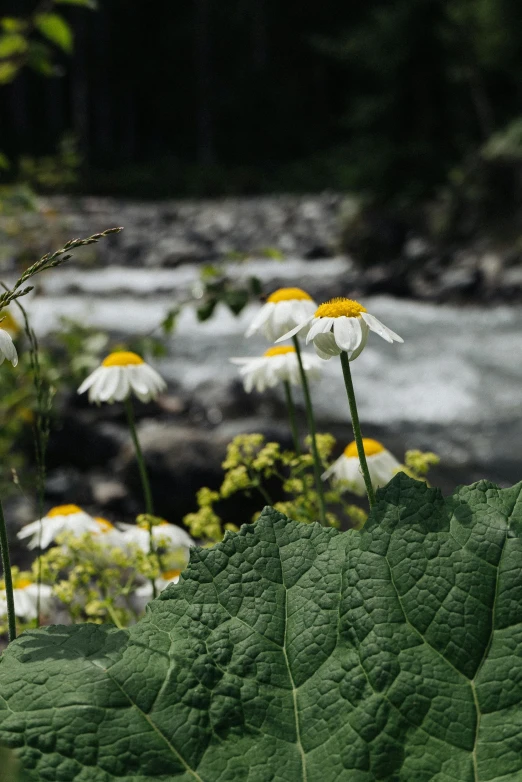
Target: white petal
[(123, 388), (382, 466), (87, 383), (347, 333), (175, 535), (319, 326), (295, 330), (380, 329), (110, 384), (138, 381), (156, 383), (99, 382), (25, 605), (326, 346), (260, 319), (7, 347), (321, 354), (28, 530), (357, 352), (303, 309)]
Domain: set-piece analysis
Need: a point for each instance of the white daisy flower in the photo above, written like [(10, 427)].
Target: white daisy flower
[(276, 365), (144, 593), (166, 535), (121, 374), (111, 535), (382, 466), (25, 595), (341, 325), (62, 518), (284, 309), (7, 348)]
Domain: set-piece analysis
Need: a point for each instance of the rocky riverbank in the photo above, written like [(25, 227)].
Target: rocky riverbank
[(385, 254)]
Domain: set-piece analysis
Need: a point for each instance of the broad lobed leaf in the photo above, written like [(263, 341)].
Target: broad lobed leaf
[(294, 653)]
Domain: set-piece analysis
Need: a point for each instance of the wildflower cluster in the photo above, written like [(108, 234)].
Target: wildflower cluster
[(95, 570), (253, 465)]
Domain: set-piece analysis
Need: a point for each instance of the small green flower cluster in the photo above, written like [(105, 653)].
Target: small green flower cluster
[(88, 578), (418, 463), (252, 463)]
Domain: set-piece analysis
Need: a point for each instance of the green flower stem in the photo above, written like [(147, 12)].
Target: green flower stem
[(6, 564), (357, 427), (291, 415), (311, 427), (263, 492), (149, 508)]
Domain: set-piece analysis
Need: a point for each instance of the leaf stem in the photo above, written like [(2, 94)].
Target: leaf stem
[(6, 564), (292, 417), (149, 508), (311, 428), (345, 363)]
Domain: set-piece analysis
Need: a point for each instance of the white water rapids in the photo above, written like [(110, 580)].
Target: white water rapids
[(455, 385)]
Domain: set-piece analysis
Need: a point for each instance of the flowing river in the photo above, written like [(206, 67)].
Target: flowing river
[(454, 387)]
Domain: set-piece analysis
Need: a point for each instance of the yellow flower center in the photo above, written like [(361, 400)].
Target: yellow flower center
[(279, 350), (9, 322), (21, 582), (170, 575), (337, 308), (288, 294), (371, 448), (63, 510), (105, 526), (122, 358)]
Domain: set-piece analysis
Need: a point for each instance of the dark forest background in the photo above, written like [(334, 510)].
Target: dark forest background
[(203, 97)]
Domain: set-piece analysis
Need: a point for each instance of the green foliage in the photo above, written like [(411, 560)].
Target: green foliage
[(15, 199), (12, 44), (52, 173), (252, 466), (295, 652), (20, 47), (55, 29), (419, 463), (215, 287), (505, 144)]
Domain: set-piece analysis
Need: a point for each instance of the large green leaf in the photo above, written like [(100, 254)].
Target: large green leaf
[(293, 653)]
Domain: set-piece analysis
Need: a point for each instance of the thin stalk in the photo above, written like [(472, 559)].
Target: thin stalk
[(311, 428), (149, 508), (357, 427), (6, 564), (264, 493), (41, 430), (113, 615), (291, 415)]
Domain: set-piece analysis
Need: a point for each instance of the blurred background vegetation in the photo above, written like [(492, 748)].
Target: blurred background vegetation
[(392, 98)]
